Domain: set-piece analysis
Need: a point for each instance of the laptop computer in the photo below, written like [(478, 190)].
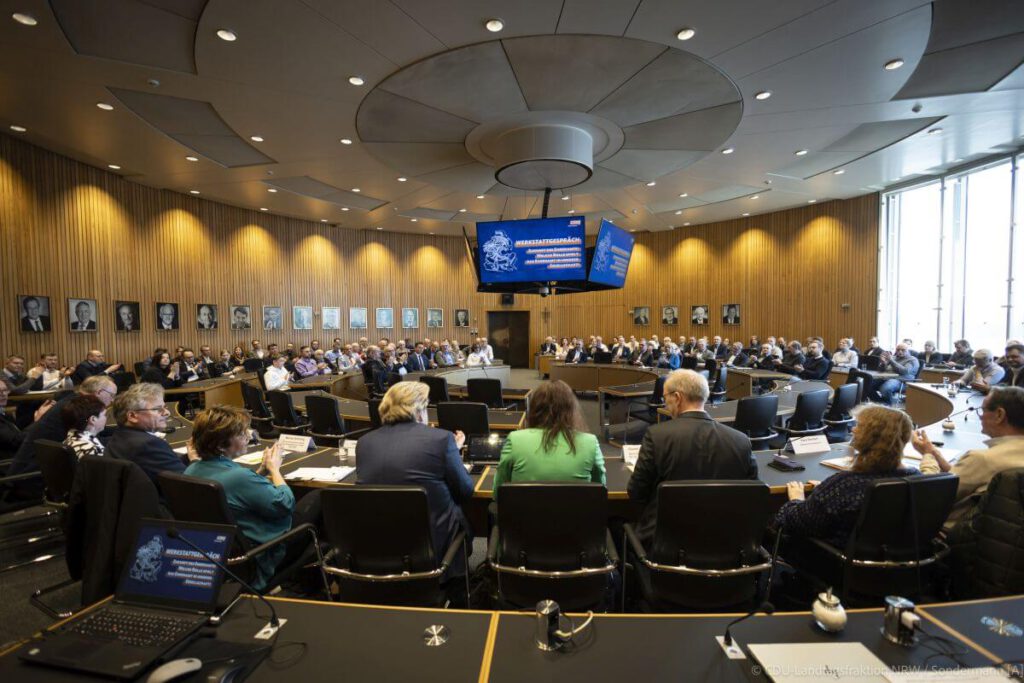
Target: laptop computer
[(167, 591), (484, 450)]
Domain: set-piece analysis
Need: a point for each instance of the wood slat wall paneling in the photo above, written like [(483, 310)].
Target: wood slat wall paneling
[(71, 230)]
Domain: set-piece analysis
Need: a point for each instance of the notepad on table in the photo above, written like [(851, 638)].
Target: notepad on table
[(336, 473), (949, 454), (845, 464), (785, 662), (254, 458)]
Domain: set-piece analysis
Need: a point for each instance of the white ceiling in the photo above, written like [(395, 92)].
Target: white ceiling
[(286, 79)]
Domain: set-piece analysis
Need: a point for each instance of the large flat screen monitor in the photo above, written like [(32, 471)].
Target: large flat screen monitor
[(536, 250), (611, 255)]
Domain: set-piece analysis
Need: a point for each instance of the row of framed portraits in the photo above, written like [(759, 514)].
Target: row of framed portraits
[(699, 314), (83, 316)]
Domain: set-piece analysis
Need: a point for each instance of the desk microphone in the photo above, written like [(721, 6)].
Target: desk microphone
[(173, 532), (963, 412)]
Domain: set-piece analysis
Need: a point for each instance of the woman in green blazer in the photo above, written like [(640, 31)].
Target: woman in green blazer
[(554, 446)]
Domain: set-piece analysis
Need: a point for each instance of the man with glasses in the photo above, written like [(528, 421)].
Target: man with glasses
[(1013, 363), (141, 416)]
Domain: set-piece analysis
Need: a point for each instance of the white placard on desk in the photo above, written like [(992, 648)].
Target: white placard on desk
[(294, 442), (810, 445), (630, 453)]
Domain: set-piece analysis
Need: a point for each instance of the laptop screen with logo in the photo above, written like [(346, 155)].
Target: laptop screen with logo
[(162, 571)]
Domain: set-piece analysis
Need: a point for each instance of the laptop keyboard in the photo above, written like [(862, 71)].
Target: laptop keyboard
[(134, 628)]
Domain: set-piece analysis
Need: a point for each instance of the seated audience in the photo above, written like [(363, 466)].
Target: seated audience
[(415, 362), (717, 348), (12, 436), (701, 351), (140, 413), (445, 357), (487, 349), (163, 372), (737, 358), (555, 446), (238, 357), (93, 365), (1013, 363), (670, 358), (577, 354), (84, 417), (190, 368), (257, 350), (962, 355), (833, 506), (930, 356), (984, 374), (689, 446), (406, 450), (276, 376), (844, 357), (476, 357), (306, 365), (14, 374), (224, 366), (262, 504), (874, 349), (792, 359), (903, 364), (49, 375)]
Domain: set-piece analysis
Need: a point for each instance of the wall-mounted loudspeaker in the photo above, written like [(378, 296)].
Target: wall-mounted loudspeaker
[(508, 299)]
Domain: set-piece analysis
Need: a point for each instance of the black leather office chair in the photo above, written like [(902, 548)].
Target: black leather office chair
[(140, 367), (808, 415), (469, 418), (259, 412), (373, 408), (567, 557), (123, 380), (873, 363), (656, 400), (57, 464), (699, 561), (839, 419), (438, 388), (893, 546), (717, 384), (285, 417), (867, 383), (326, 425), (755, 417), (253, 365), (192, 499), (603, 357), (381, 546), (688, 363), (487, 390)]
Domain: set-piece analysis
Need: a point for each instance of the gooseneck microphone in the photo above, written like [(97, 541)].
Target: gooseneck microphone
[(173, 532), (766, 607)]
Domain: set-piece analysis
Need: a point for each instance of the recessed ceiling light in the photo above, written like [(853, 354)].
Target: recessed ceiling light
[(356, 80), (323, 220), (571, 211), (480, 196), (679, 212), (746, 214), (227, 34), (565, 197), (686, 33), (934, 131), (345, 141), (811, 201), (728, 150), (651, 184), (263, 208), (632, 230), (494, 25), (191, 158), (19, 129), (893, 64), (840, 171), (756, 196), (800, 152), (431, 233), (344, 208), (401, 179), (763, 95), (24, 19), (379, 228), (193, 191), (684, 194), (104, 106), (686, 223), (271, 189), (114, 166), (462, 211), (356, 189), (256, 138), (413, 220)]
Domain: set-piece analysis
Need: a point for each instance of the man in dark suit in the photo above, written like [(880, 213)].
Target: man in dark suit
[(815, 365), (690, 446), (549, 348), (717, 347), (416, 361), (577, 354), (93, 365), (32, 321), (737, 357), (140, 411)]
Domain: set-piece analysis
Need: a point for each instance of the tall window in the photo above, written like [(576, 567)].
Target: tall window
[(948, 258)]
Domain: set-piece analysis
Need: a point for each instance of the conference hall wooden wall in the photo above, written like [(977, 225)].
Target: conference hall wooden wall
[(72, 230)]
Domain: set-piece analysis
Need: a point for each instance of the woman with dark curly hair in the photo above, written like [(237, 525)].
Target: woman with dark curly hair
[(831, 510)]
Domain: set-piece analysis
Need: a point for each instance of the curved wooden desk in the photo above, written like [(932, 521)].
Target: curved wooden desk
[(218, 391), (349, 384), (927, 405), (593, 376)]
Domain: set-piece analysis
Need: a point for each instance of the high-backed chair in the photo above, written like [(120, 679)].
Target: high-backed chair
[(373, 408), (567, 557), (717, 384), (893, 545), (867, 383), (259, 412), (253, 365), (755, 417), (808, 415), (487, 390), (326, 425), (438, 388), (688, 363), (839, 419), (656, 400), (469, 418), (873, 363), (123, 380), (285, 417), (57, 464), (381, 546), (193, 499), (701, 561), (140, 368)]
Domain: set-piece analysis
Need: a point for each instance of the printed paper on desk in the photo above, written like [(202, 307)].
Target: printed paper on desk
[(630, 453), (802, 662), (294, 442), (951, 455), (811, 445)]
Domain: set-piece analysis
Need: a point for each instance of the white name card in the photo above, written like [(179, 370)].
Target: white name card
[(810, 445), (294, 442), (630, 453)]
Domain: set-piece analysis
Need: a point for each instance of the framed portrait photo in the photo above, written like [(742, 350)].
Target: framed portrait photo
[(357, 318), (302, 317), (330, 317), (641, 315), (241, 317), (461, 317), (435, 317), (385, 318), (34, 312), (167, 316), (731, 314), (410, 318), (126, 316), (82, 315), (206, 316), (669, 315), (272, 318), (699, 314)]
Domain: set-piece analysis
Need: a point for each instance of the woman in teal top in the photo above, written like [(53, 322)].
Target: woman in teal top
[(554, 447), (262, 503)]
